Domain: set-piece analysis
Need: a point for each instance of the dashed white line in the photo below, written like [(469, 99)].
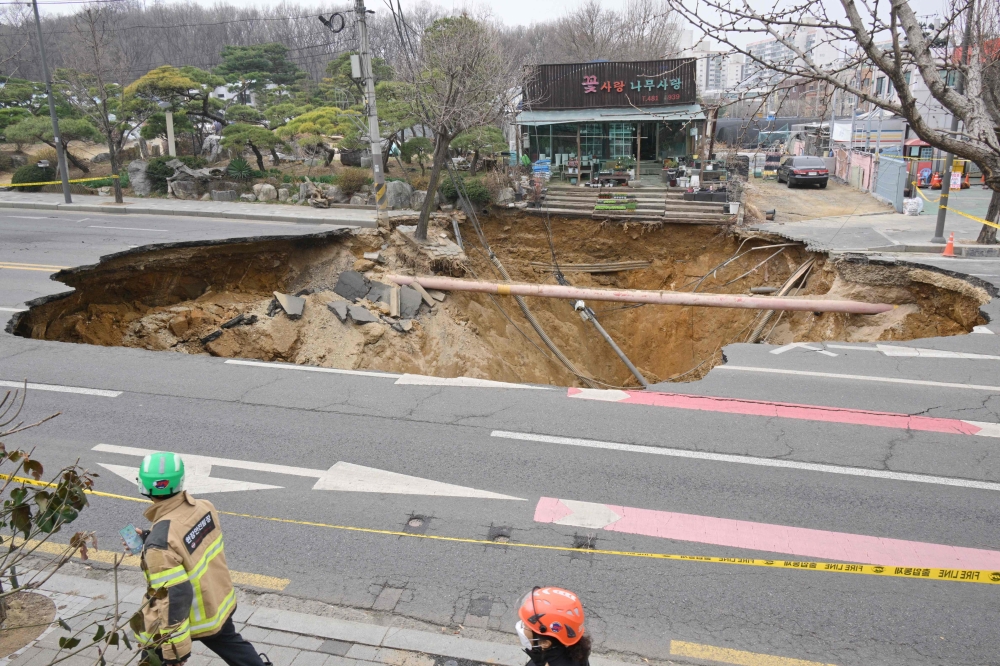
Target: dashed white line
[(426, 380), (95, 226), (313, 368), (982, 329), (864, 378), (749, 460), (13, 309), (63, 389)]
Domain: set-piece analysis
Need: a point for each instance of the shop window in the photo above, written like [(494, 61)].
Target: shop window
[(621, 135)]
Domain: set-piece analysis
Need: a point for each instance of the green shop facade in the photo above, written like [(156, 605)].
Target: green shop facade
[(591, 117)]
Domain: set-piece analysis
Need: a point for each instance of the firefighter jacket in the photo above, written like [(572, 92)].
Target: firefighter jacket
[(189, 589)]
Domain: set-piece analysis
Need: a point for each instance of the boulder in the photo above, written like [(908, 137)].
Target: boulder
[(249, 198), (359, 200), (506, 196), (336, 194), (104, 191), (418, 198), (18, 160), (100, 157), (224, 195), (398, 194), (265, 192), (206, 197), (211, 149), (294, 199), (305, 189), (283, 194), (352, 285), (137, 178), (183, 189)]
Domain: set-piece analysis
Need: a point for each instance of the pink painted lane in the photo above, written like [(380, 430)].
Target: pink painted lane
[(797, 541), (787, 410)]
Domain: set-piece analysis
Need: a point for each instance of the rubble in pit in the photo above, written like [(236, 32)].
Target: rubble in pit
[(338, 309)]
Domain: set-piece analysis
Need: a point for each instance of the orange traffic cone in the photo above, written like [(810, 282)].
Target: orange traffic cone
[(949, 248)]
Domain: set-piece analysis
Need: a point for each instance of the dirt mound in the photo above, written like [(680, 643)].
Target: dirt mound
[(172, 298)]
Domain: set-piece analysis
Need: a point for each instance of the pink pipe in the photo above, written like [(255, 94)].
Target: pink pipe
[(640, 296)]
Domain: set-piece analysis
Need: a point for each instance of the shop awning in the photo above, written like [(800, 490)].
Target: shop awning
[(627, 114)]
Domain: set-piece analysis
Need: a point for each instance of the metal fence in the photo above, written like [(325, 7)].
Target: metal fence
[(890, 181)]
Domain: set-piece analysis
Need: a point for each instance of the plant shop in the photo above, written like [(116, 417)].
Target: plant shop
[(610, 120)]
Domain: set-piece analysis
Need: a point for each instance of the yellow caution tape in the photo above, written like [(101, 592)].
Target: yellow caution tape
[(59, 182), (923, 573), (957, 212)]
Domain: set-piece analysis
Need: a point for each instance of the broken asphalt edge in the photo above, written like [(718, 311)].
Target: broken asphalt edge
[(15, 321), (133, 209), (329, 628)]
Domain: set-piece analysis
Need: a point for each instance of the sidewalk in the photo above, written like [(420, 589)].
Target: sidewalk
[(289, 638), (348, 215)]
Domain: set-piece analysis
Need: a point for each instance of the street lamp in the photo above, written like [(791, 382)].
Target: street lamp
[(171, 148)]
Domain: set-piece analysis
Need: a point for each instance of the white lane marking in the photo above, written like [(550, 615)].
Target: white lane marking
[(749, 460), (13, 309), (426, 380), (313, 368), (864, 378), (27, 217), (197, 479), (982, 329), (345, 477), (918, 352), (802, 345), (63, 389), (95, 226)]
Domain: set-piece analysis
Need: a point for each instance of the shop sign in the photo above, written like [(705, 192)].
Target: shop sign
[(611, 84)]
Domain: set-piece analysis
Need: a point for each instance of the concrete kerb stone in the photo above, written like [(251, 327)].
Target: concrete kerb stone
[(453, 646), (324, 627)]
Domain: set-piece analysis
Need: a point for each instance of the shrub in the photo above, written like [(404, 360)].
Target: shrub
[(110, 182), (475, 189), (31, 173), (352, 179), (158, 171), (239, 169)]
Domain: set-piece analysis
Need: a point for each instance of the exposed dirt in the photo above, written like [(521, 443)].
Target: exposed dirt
[(809, 202), (170, 298), (28, 615)]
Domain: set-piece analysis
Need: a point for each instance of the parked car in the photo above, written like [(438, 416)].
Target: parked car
[(803, 170)]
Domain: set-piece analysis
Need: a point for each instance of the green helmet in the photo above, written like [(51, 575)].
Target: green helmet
[(161, 474)]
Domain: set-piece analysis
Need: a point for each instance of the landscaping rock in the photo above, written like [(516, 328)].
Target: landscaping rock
[(352, 285), (104, 191), (305, 189), (283, 194), (206, 197), (409, 302), (249, 198), (292, 305), (506, 196), (338, 308), (360, 315), (265, 192), (336, 194), (359, 200), (398, 194), (211, 149), (363, 265), (137, 178), (224, 195), (418, 198), (100, 157), (183, 189)]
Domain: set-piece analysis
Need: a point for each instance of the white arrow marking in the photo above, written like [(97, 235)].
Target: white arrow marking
[(197, 479), (342, 476), (919, 352)]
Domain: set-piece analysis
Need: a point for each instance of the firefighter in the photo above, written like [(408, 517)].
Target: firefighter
[(190, 595), (551, 628)]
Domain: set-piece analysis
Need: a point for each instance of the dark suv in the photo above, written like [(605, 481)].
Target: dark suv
[(803, 170)]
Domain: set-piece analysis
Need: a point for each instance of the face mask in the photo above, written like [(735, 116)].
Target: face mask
[(525, 642)]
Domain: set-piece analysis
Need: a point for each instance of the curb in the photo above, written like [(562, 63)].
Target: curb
[(134, 209)]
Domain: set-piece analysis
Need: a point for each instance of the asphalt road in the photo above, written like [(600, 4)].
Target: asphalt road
[(308, 422)]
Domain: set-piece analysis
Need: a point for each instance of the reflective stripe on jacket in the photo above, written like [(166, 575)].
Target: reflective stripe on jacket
[(191, 594)]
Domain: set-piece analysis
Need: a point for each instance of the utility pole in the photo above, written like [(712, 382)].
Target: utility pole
[(60, 152), (833, 117), (374, 135), (950, 159)]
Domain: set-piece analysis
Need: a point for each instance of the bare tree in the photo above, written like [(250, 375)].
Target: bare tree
[(96, 85), (888, 40), (461, 78)]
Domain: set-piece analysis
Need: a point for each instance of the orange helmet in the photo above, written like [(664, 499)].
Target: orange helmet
[(553, 612)]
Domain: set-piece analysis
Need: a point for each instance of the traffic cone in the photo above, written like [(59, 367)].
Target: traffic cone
[(949, 248)]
